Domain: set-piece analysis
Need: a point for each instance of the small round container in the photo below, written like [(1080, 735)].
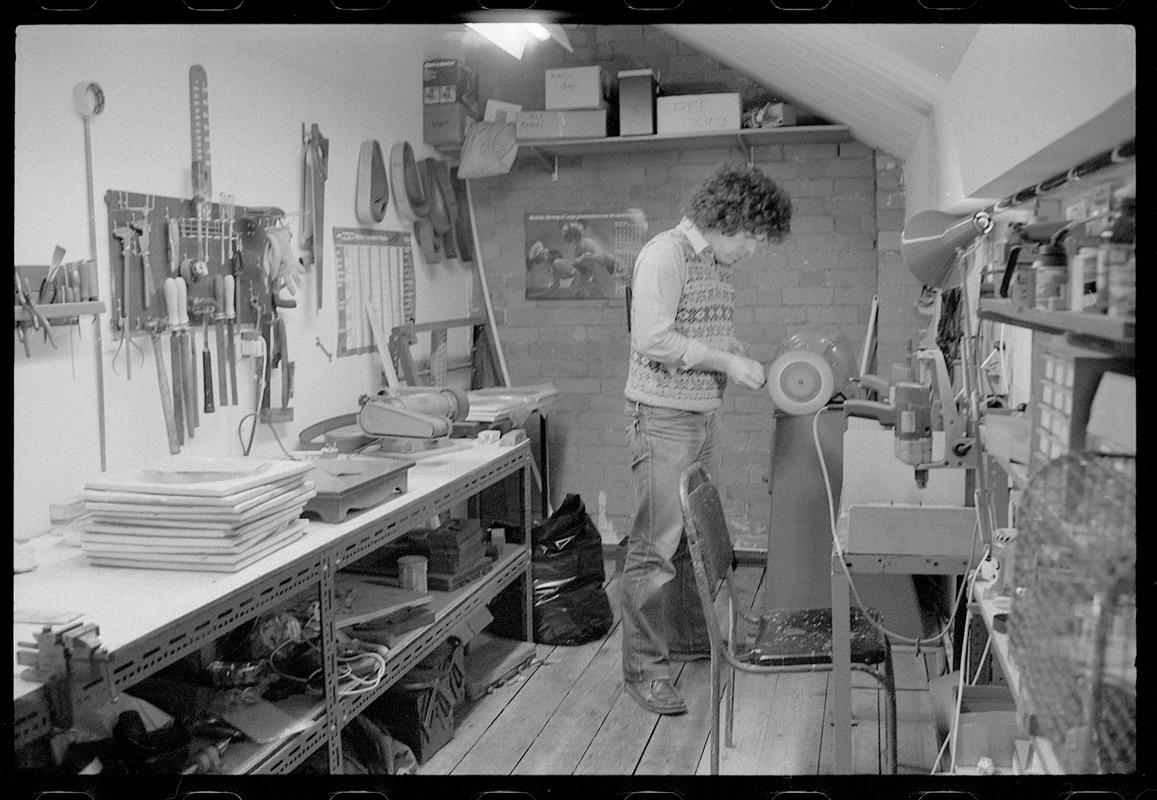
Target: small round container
[(1023, 289), (1051, 271), (412, 573)]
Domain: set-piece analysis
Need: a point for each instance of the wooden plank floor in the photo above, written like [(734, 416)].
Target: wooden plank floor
[(569, 715)]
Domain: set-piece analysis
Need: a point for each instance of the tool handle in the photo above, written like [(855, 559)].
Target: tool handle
[(207, 379), (166, 398), (182, 302), (172, 310), (174, 249), (178, 387), (222, 373), (88, 280), (231, 354), (206, 367), (188, 382), (228, 297), (146, 267), (286, 367), (191, 337), (266, 334)]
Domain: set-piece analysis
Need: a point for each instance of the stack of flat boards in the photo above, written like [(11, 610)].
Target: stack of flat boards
[(514, 403), (200, 514)]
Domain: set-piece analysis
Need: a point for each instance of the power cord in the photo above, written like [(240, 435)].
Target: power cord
[(253, 416), (350, 682)]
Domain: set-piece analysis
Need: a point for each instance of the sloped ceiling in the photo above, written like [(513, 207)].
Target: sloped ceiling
[(882, 81)]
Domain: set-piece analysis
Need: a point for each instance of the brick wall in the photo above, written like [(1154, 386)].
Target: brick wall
[(825, 274)]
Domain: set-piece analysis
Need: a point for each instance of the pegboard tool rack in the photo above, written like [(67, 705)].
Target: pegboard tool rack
[(181, 612), (211, 238)]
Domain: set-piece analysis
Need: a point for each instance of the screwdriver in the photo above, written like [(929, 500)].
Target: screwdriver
[(207, 365)]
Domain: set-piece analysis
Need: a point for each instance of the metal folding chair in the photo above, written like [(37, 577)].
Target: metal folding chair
[(783, 641)]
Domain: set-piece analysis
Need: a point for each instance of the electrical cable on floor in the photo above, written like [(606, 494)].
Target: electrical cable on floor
[(896, 637)]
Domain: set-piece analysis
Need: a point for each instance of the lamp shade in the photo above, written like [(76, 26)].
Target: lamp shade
[(930, 240)]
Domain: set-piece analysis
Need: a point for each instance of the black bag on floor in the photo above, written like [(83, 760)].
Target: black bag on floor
[(570, 605)]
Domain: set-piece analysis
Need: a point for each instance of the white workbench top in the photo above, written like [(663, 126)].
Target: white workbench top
[(129, 605)]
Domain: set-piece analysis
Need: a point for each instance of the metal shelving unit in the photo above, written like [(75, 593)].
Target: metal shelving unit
[(1120, 331), (177, 613)]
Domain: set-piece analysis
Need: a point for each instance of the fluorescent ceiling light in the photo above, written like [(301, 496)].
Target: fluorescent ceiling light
[(510, 36), (514, 36), (537, 31)]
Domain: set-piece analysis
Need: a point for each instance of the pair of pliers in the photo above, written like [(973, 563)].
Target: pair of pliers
[(38, 321)]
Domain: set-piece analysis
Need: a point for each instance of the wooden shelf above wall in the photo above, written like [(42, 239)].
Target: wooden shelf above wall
[(744, 139)]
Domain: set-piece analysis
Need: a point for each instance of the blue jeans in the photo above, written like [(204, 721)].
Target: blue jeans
[(661, 615)]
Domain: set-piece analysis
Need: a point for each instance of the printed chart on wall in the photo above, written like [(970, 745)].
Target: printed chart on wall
[(375, 269), (581, 256)]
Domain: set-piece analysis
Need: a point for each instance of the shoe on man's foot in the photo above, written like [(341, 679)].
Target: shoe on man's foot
[(657, 696), (698, 655)]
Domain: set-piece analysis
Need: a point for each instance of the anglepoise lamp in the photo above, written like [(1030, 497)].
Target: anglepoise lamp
[(931, 241), (932, 245)]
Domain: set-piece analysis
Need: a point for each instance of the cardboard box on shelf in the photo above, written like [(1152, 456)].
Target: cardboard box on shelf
[(574, 87), (448, 81), (590, 123), (636, 102), (698, 113), (779, 114), (445, 124)]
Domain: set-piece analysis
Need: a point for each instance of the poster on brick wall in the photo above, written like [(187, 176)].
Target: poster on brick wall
[(581, 256)]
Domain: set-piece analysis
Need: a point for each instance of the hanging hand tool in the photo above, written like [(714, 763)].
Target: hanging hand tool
[(88, 100), (275, 337), (207, 364), (143, 230), (219, 334), (188, 357), (36, 320), (173, 250), (49, 287), (230, 296), (126, 235), (163, 385), (316, 160), (201, 170), (170, 291)]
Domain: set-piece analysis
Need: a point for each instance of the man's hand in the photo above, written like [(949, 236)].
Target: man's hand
[(746, 372)]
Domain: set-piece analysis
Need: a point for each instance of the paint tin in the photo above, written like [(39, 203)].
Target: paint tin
[(412, 573)]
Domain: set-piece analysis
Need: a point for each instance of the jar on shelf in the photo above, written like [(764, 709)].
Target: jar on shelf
[(1123, 288), (1051, 273)]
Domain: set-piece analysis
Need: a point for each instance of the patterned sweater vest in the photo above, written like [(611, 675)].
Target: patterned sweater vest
[(704, 314)]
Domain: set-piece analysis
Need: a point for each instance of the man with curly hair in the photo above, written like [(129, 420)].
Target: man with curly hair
[(683, 354)]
